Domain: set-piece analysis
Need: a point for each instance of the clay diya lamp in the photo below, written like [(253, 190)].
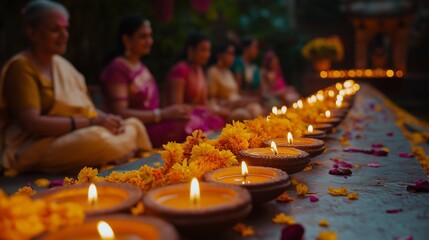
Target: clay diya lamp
[(329, 119), (290, 160), (263, 183), (96, 199), (316, 134), (196, 211), (323, 126), (117, 227), (314, 147)]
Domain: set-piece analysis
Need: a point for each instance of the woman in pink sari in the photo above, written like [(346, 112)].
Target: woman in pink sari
[(131, 91), (186, 84)]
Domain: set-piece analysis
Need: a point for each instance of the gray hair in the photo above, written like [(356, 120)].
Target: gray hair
[(35, 11)]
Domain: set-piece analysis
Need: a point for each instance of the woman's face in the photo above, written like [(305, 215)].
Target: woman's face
[(51, 34), (253, 49), (227, 57), (274, 63), (201, 53), (140, 43)]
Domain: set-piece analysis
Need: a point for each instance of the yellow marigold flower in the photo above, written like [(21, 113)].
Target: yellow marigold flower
[(42, 182), (245, 231), (196, 138), (282, 218), (301, 189), (87, 175), (356, 166), (342, 191), (308, 168), (294, 181), (284, 197), (353, 196), (138, 209), (234, 138), (69, 181), (324, 223), (181, 173), (327, 235), (26, 191), (173, 153)]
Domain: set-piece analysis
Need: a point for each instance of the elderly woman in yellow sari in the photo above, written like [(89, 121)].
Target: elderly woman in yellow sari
[(48, 122)]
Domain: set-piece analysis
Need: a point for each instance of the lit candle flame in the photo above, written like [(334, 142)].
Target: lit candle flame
[(289, 138), (295, 105), (328, 113), (300, 105), (339, 103), (105, 231), (274, 110), (274, 148), (194, 194), (92, 195), (310, 128), (284, 109), (244, 170)]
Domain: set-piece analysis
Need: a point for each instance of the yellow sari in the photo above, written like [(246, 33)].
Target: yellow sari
[(91, 146)]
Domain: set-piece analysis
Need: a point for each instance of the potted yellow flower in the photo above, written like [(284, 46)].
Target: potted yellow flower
[(322, 51)]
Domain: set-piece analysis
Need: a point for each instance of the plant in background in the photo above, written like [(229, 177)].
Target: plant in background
[(324, 48)]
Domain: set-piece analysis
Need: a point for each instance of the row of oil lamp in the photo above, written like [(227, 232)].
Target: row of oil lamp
[(362, 73), (225, 197)]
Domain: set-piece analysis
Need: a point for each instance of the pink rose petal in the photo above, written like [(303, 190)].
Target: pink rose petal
[(292, 232), (394, 210), (406, 155), (390, 134), (409, 237), (313, 198), (343, 164), (373, 164), (377, 145)]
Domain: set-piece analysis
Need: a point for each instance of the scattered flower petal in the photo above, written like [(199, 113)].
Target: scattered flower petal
[(292, 232), (26, 191), (409, 237), (377, 145), (394, 210), (284, 197), (324, 223), (356, 166), (56, 183), (340, 172), (373, 164), (342, 191), (301, 189), (308, 168), (245, 231), (406, 155), (327, 235), (294, 181), (42, 182), (282, 218), (138, 209), (421, 185), (343, 164), (390, 134), (372, 151), (353, 196), (313, 198), (318, 163)]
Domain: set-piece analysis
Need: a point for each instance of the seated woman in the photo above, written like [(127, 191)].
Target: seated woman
[(274, 89), (131, 91), (223, 89), (49, 123), (247, 73), (186, 84)]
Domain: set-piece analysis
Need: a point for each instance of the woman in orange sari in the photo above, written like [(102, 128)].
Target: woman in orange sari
[(48, 122)]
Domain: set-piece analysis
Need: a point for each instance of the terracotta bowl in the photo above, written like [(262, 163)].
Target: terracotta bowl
[(123, 226), (312, 146), (208, 217), (290, 160), (332, 120), (324, 127), (273, 181), (112, 197), (317, 134)]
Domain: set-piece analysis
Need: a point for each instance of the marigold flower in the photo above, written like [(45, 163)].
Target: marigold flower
[(245, 231), (324, 223), (42, 182), (353, 196), (138, 209), (342, 191), (327, 235), (284, 197), (26, 191), (301, 189), (282, 218)]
